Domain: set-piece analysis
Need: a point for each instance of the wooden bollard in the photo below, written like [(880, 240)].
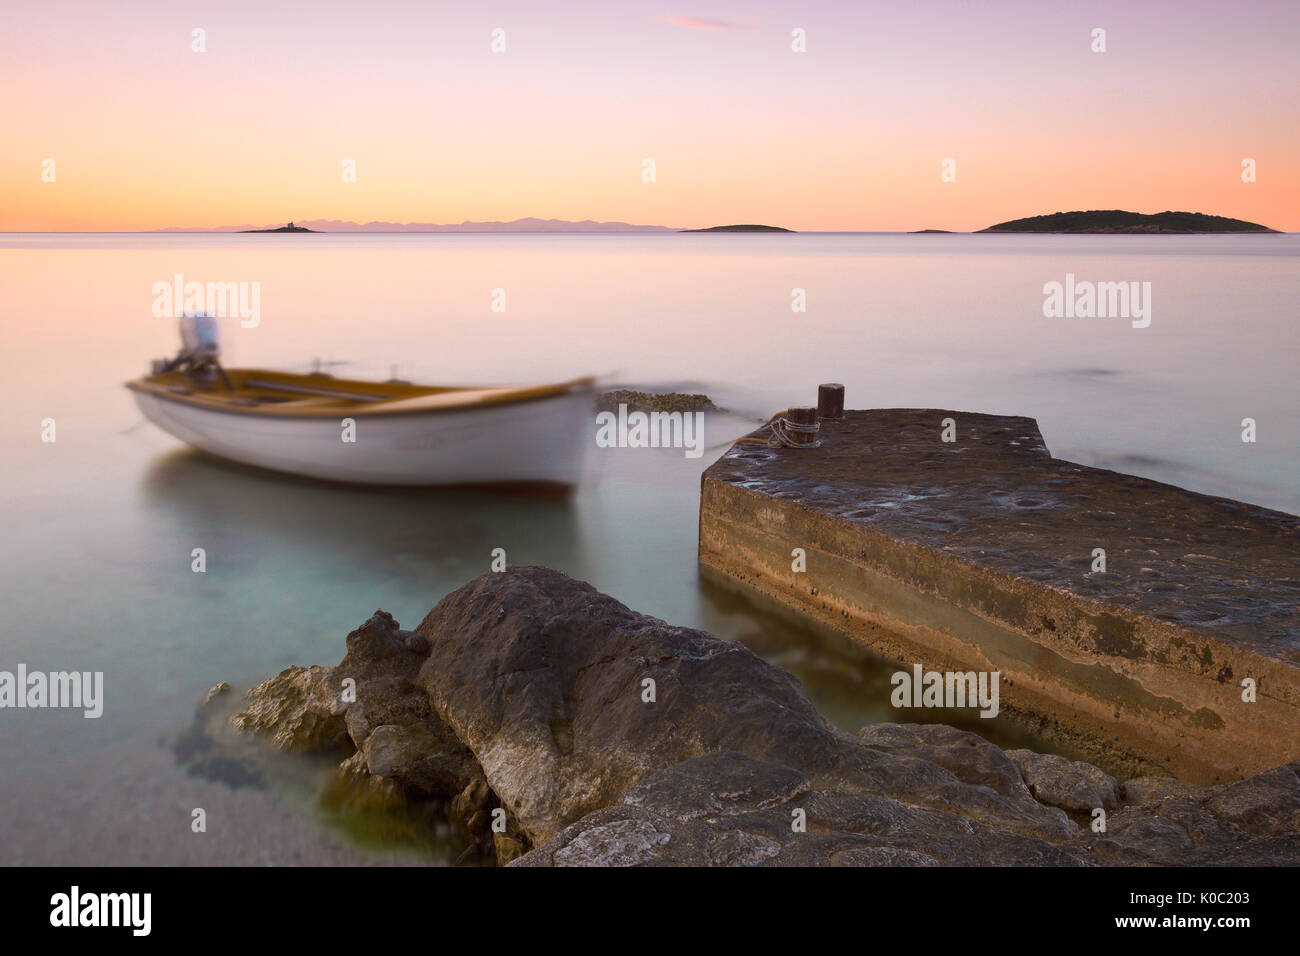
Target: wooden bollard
[(802, 428), (830, 402)]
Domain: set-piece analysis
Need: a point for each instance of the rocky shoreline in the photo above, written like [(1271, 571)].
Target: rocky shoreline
[(554, 726)]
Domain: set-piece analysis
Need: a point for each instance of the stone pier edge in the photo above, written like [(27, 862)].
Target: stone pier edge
[(1142, 691)]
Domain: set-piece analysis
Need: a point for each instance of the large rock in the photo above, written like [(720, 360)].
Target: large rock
[(726, 809), (547, 681)]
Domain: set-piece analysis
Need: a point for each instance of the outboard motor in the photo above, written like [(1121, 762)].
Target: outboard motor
[(200, 338), (200, 350)]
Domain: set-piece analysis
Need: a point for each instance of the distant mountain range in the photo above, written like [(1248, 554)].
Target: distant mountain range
[(517, 225)]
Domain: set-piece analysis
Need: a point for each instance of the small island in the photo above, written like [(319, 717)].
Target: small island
[(927, 232), (1121, 221), (740, 228), (289, 228)]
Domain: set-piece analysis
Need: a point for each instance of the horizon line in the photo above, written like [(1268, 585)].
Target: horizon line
[(619, 227)]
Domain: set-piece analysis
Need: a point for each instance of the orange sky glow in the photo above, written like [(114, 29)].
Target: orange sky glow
[(146, 133)]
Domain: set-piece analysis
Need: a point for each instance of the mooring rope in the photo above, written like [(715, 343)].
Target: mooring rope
[(781, 428)]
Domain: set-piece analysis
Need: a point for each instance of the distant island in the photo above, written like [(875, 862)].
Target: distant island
[(289, 228), (1120, 221), (740, 228), (922, 232)]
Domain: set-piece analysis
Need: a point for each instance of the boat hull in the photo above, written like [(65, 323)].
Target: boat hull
[(541, 441)]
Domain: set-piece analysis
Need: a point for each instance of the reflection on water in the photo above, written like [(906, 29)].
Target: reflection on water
[(252, 522), (849, 683)]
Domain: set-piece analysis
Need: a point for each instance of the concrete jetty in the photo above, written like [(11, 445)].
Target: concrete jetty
[(981, 553)]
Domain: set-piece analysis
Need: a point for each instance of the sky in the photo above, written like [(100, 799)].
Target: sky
[(851, 134)]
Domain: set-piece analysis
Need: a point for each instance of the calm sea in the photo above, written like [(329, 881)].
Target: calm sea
[(100, 524)]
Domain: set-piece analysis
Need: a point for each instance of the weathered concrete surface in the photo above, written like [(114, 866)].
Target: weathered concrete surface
[(977, 555)]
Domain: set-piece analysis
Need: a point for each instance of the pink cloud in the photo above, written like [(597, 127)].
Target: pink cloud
[(704, 23)]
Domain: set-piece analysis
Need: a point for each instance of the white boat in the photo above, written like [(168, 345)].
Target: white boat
[(382, 433)]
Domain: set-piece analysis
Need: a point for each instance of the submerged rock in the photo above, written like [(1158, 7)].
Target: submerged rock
[(214, 692), (563, 728), (201, 755)]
